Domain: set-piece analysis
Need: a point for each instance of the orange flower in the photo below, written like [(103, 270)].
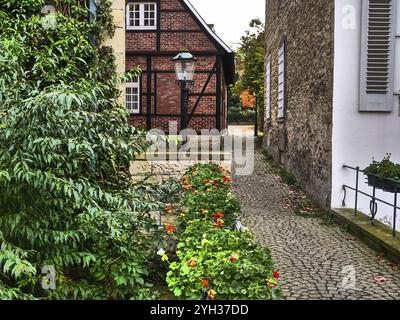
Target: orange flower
[(212, 294), (170, 229), (187, 186), (169, 210), (192, 262), (272, 283), (220, 223), (205, 283)]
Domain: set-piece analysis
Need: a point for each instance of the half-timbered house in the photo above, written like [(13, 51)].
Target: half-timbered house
[(155, 32)]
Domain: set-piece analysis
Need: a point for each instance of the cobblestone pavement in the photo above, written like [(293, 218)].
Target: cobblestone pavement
[(314, 257)]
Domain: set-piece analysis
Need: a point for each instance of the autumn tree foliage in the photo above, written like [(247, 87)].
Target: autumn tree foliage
[(250, 68), (247, 99)]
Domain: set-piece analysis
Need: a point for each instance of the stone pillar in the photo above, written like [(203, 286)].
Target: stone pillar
[(118, 41)]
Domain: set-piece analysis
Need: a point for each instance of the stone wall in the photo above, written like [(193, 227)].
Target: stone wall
[(160, 171), (301, 141)]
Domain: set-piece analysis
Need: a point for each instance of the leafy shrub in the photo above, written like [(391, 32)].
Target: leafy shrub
[(236, 115), (208, 191), (66, 198), (213, 258)]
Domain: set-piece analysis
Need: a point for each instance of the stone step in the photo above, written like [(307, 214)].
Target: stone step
[(186, 156)]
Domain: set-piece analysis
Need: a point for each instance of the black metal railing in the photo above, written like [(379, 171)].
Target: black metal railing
[(374, 200)]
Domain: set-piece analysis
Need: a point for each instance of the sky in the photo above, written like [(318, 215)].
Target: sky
[(230, 17)]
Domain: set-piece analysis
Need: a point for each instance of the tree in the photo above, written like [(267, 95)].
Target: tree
[(67, 200), (250, 63)]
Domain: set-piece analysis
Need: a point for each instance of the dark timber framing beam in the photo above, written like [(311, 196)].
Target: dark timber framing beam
[(159, 31), (148, 104), (219, 93), (173, 71), (158, 44), (174, 115), (171, 53), (203, 90), (155, 93)]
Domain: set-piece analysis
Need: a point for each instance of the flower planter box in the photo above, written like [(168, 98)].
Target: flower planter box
[(387, 185)]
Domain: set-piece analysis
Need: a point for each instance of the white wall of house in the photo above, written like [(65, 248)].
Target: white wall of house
[(357, 137), (118, 41)]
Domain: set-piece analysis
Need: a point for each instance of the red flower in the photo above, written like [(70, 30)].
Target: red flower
[(170, 228), (232, 259), (271, 286), (227, 180), (205, 283), (169, 210), (217, 216), (276, 275)]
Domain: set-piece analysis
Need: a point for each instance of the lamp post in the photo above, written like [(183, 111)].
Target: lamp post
[(256, 115), (185, 66)]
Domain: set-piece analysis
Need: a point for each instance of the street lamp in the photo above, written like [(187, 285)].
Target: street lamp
[(185, 65)]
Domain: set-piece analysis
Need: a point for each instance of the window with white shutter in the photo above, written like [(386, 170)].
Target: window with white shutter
[(281, 81), (268, 90), (132, 97), (377, 56)]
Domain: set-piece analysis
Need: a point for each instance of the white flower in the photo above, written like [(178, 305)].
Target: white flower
[(161, 252)]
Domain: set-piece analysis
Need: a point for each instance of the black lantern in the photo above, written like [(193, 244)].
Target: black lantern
[(185, 66)]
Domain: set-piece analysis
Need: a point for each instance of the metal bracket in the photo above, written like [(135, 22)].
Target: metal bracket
[(344, 196)]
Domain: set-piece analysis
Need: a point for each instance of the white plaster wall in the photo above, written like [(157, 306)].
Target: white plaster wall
[(118, 41), (357, 137)]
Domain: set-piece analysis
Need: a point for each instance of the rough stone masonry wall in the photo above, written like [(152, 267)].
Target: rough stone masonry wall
[(302, 141)]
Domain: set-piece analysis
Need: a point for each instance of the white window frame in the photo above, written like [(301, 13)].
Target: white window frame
[(268, 89), (281, 81), (130, 8), (133, 106)]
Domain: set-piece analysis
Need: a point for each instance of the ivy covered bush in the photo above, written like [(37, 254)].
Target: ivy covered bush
[(67, 202), (215, 261)]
